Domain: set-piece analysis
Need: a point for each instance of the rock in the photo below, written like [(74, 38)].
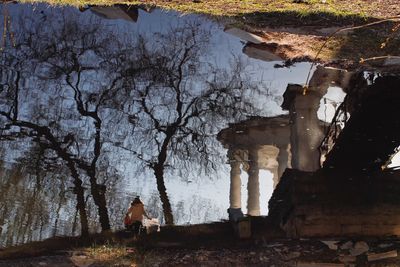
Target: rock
[(246, 36), (385, 245), (347, 258), (381, 256), (273, 245), (347, 245), (265, 52), (318, 264), (359, 248), (331, 244), (78, 253), (201, 258), (300, 1), (82, 261), (291, 256), (130, 250), (186, 257)]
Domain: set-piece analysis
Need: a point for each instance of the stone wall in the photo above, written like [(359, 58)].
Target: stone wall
[(320, 205)]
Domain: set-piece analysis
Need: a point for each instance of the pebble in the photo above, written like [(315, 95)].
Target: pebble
[(359, 248), (291, 256), (331, 244), (385, 245), (347, 245)]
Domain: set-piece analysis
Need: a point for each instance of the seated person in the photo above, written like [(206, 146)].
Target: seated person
[(134, 216)]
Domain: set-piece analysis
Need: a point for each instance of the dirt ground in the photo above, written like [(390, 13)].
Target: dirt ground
[(284, 252), (279, 253)]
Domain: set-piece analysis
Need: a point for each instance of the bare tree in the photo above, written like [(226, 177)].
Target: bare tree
[(180, 101), (31, 197), (90, 86), (65, 60)]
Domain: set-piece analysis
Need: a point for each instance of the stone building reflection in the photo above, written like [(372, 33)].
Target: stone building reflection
[(254, 145), (118, 11), (280, 142)]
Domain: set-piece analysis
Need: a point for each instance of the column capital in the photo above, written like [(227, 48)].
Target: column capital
[(290, 94), (294, 98)]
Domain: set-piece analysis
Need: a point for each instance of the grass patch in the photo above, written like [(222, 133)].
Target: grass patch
[(253, 15), (113, 255), (101, 250), (374, 41), (363, 43), (50, 245), (231, 8), (108, 252)]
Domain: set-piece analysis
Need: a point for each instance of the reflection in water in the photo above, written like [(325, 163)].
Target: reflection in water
[(93, 114), (302, 142), (34, 200), (178, 102), (80, 96), (124, 12), (276, 143), (371, 134)]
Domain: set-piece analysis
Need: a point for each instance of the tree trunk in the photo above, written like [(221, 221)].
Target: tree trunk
[(158, 168), (162, 190), (81, 207), (80, 200), (98, 191), (99, 197), (59, 206)]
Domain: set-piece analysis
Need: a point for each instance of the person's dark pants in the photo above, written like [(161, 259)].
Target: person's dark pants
[(135, 227)]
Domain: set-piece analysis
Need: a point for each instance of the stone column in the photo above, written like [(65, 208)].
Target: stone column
[(268, 159), (235, 186), (283, 158), (253, 185), (275, 176), (235, 195), (306, 133)]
